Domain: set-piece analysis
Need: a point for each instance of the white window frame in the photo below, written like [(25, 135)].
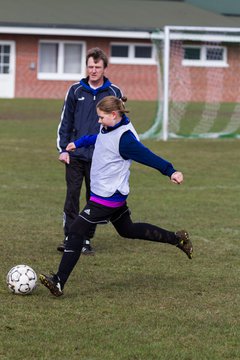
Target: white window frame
[(203, 61), (131, 59), (60, 75)]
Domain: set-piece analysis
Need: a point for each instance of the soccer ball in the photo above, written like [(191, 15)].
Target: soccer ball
[(21, 279)]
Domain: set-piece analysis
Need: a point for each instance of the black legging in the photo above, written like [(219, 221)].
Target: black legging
[(125, 228)]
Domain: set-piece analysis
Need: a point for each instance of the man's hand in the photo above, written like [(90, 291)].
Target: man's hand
[(64, 157), (177, 177)]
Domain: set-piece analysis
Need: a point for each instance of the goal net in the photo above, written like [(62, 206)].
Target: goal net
[(198, 83)]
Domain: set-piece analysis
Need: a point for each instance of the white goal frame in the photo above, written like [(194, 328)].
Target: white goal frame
[(169, 33)]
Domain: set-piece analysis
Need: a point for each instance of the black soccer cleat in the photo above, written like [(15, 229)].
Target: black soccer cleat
[(52, 283), (184, 243)]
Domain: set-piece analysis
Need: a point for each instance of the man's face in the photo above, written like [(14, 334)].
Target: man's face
[(95, 70)]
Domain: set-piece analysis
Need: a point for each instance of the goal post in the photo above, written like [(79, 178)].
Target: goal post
[(198, 83)]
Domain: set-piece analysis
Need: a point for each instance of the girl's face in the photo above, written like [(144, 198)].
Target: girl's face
[(108, 119)]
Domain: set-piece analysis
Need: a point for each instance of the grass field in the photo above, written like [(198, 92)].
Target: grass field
[(133, 300)]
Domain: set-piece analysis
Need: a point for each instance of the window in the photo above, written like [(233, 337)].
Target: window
[(48, 58), (192, 53), (143, 52), (205, 55), (214, 54), (4, 59), (59, 60), (119, 51), (132, 54)]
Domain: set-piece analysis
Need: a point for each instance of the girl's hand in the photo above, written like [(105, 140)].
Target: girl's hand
[(177, 177), (71, 147)]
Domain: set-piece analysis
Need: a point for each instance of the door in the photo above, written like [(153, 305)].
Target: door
[(7, 69)]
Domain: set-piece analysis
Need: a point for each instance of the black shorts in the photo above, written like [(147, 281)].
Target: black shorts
[(95, 213)]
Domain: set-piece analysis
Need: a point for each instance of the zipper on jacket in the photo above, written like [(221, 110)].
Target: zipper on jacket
[(94, 97)]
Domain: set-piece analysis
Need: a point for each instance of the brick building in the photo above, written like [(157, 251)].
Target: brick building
[(43, 45)]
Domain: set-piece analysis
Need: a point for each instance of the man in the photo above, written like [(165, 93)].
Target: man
[(79, 117)]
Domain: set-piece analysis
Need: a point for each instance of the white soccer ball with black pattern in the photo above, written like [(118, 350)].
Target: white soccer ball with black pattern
[(21, 279)]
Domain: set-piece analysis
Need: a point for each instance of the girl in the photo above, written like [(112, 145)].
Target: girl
[(116, 145)]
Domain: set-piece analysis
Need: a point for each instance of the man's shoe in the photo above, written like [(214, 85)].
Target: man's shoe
[(87, 249), (61, 247), (184, 243), (52, 283)]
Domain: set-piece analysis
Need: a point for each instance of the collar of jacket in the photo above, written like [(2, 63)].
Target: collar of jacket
[(85, 84), (124, 121)]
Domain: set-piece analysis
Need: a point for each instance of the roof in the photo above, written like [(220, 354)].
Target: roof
[(130, 15), (226, 7)]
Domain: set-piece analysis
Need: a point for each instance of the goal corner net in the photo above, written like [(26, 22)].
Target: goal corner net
[(198, 83)]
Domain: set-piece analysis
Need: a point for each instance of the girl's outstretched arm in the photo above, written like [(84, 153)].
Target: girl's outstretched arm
[(83, 141), (131, 148)]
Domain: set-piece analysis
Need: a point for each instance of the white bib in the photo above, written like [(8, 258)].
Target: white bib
[(109, 171)]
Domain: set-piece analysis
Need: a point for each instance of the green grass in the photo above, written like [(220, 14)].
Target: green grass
[(133, 300)]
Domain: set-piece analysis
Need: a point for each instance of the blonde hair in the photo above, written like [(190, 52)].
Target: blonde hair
[(112, 103)]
